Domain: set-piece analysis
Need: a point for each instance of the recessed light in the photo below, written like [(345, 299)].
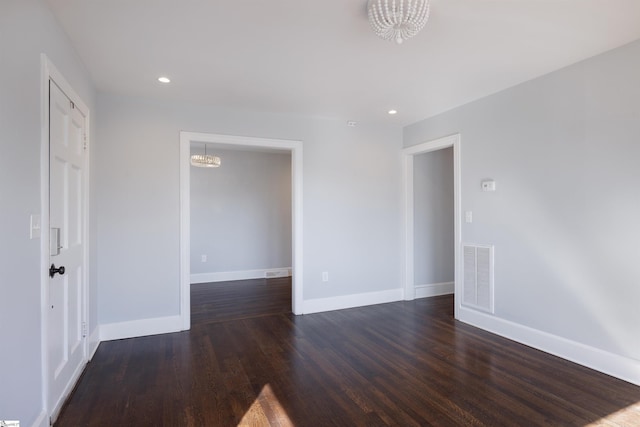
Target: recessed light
[(164, 79), (392, 112)]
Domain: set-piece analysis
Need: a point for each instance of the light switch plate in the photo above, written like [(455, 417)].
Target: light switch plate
[(468, 217), (34, 232)]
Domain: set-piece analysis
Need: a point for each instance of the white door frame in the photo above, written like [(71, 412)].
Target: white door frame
[(408, 209), (50, 72), (295, 147)]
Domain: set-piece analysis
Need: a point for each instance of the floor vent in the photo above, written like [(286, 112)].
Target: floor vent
[(477, 280), (277, 273)]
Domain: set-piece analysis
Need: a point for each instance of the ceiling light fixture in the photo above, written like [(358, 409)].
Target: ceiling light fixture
[(205, 160), (398, 19), (392, 112), (164, 80)]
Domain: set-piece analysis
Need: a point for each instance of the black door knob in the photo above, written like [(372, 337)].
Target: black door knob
[(53, 270)]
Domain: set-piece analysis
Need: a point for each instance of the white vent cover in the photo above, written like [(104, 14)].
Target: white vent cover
[(477, 281), (277, 273)]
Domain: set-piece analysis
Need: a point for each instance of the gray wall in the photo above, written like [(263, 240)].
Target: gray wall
[(351, 206), (433, 217), (241, 211), (564, 151), (27, 29)]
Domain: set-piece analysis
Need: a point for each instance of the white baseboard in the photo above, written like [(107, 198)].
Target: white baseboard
[(140, 328), (93, 342), (42, 420), (226, 276), (434, 289), (350, 301), (66, 391), (625, 368)]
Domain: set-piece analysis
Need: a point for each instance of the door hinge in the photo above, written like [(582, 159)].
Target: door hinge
[(84, 145), (84, 329)]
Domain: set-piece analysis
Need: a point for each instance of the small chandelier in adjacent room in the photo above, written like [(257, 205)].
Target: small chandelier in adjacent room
[(398, 19), (205, 160)]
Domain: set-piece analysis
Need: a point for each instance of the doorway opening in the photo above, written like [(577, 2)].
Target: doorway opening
[(413, 159), (240, 233), (234, 144)]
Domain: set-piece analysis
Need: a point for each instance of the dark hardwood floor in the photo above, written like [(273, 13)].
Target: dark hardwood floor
[(240, 299), (398, 364)]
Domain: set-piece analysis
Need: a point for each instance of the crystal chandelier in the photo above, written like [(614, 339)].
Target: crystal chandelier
[(398, 19), (205, 160)]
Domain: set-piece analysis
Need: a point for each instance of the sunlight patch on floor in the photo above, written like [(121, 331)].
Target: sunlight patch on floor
[(629, 416), (266, 410)]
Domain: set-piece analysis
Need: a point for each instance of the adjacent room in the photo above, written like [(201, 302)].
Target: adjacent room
[(240, 232), (361, 212)]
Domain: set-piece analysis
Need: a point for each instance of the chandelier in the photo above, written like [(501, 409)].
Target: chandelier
[(398, 19), (205, 160)]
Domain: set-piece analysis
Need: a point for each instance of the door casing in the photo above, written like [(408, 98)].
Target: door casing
[(295, 147), (50, 72), (408, 216)]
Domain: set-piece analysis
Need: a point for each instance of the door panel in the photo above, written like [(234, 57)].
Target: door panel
[(66, 350)]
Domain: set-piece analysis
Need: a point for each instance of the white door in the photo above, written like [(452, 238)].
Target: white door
[(66, 349)]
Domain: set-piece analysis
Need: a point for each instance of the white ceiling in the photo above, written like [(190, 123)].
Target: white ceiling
[(321, 58)]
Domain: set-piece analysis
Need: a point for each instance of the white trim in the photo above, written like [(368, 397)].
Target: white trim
[(612, 364), (407, 207), (42, 420), (185, 227), (140, 328), (295, 147), (44, 226), (225, 276), (408, 276), (434, 289), (68, 388), (93, 342), (350, 301), (48, 72)]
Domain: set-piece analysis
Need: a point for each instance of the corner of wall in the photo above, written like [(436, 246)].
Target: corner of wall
[(93, 342), (434, 290), (42, 420)]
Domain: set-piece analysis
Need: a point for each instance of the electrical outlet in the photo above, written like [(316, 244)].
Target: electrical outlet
[(203, 258), (488, 185), (325, 276)]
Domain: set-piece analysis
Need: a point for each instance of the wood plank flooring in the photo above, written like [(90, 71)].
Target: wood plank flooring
[(398, 364), (240, 299)]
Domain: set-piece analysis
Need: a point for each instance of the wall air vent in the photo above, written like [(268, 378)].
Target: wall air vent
[(477, 280)]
